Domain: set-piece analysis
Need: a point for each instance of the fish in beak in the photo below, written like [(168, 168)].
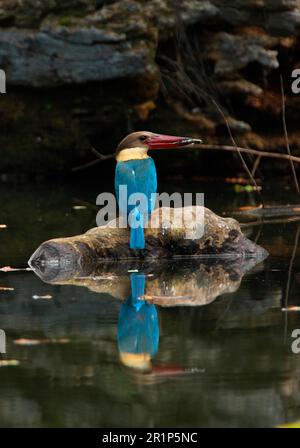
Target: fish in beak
[(170, 141)]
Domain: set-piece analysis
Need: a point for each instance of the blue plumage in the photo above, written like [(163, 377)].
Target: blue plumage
[(139, 176), (138, 329)]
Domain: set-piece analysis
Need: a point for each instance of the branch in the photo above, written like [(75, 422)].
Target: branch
[(258, 222), (255, 165), (235, 145), (286, 135), (288, 283), (273, 155), (101, 158), (255, 152)]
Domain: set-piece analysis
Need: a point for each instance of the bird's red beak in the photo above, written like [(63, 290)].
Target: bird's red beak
[(170, 141)]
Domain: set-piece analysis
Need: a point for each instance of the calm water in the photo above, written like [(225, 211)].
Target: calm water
[(224, 359)]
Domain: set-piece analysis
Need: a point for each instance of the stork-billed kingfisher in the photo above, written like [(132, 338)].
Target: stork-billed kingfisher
[(136, 172)]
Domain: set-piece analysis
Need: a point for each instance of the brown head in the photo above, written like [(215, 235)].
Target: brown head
[(137, 144)]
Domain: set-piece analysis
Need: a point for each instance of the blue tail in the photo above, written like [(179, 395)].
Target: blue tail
[(138, 282), (138, 327), (137, 239)]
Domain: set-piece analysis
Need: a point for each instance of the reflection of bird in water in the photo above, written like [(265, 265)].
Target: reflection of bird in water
[(138, 335), (138, 329), (136, 171)]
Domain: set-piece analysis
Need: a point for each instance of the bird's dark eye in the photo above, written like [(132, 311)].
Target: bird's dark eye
[(143, 138)]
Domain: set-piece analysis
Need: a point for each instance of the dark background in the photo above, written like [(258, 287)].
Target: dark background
[(85, 73)]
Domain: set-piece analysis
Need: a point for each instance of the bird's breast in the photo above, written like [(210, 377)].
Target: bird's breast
[(138, 176)]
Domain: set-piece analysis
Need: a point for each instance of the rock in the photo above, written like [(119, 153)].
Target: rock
[(185, 282), (232, 53), (119, 38), (115, 41), (84, 52), (284, 23), (279, 17), (167, 237), (79, 72), (237, 126), (169, 13), (29, 13), (70, 57), (240, 86)]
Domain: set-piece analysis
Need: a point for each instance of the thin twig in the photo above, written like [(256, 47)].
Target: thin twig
[(270, 211), (258, 222), (86, 203), (255, 165), (291, 266), (101, 158), (194, 83), (241, 157), (258, 153), (100, 155), (234, 144), (273, 155), (288, 283), (258, 235), (286, 135), (86, 165)]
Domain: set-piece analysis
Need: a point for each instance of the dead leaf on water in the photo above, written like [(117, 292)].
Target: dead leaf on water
[(246, 188), (46, 296), (24, 341), (4, 288), (10, 269), (291, 308), (290, 425), (247, 208), (9, 362)]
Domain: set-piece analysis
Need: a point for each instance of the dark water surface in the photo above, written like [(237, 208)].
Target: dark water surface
[(228, 362)]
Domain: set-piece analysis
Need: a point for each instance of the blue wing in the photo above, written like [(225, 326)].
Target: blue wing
[(139, 176), (138, 328)]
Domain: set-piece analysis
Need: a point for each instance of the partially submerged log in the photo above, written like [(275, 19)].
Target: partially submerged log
[(222, 237), (191, 282)]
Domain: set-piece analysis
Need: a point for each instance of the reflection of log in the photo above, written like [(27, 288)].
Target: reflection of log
[(170, 238), (184, 282)]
